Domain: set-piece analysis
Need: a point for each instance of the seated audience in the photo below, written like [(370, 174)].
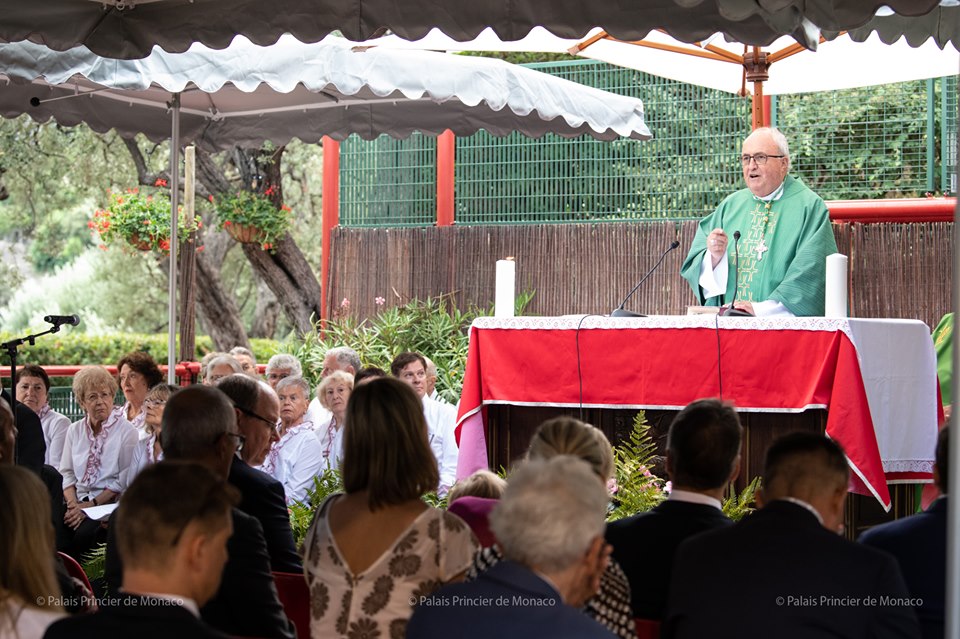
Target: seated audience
[(199, 426), (30, 448), (282, 365), (205, 361), (784, 571), (411, 368), (33, 387), (138, 374), (550, 527), (472, 499), (219, 367), (703, 457), (919, 544), (297, 457), (379, 543), (248, 361), (97, 452), (257, 410), (610, 605), (333, 393), (148, 451), (172, 530), (343, 359), (28, 585)]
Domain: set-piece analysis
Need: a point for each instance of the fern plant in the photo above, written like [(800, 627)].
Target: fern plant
[(737, 506), (94, 562), (638, 490)]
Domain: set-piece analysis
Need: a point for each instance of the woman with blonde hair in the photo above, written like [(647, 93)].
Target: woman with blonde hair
[(97, 451), (28, 584), (333, 393), (375, 551), (569, 436)]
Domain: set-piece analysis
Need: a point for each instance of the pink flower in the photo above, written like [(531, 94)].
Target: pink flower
[(379, 301), (345, 303), (668, 487)]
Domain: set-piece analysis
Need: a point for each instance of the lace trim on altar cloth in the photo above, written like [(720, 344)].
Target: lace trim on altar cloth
[(907, 466)]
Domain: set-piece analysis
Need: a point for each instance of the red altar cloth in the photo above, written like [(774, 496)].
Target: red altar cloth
[(761, 365)]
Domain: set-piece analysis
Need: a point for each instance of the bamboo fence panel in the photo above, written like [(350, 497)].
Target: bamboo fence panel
[(896, 270)]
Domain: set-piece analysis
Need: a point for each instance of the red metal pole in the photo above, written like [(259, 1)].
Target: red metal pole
[(330, 214), (446, 154), (766, 110), (934, 209)]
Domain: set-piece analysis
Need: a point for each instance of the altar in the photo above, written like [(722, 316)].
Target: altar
[(876, 379)]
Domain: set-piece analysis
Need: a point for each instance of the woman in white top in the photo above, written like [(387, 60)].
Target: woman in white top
[(29, 589), (297, 457), (148, 451), (97, 451), (333, 394), (33, 388), (138, 374)]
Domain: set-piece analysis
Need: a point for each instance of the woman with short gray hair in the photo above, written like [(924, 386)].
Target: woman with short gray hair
[(297, 457), (282, 365)]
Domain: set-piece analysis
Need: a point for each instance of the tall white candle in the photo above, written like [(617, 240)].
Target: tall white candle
[(506, 286), (836, 289)]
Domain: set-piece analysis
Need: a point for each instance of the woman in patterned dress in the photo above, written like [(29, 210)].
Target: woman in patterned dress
[(375, 551)]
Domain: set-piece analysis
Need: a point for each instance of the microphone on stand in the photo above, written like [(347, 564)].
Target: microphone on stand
[(730, 311), (60, 320), (620, 311)]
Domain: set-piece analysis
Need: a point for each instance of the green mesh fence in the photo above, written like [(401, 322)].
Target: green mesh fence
[(948, 135), (388, 182), (861, 143), (870, 142)]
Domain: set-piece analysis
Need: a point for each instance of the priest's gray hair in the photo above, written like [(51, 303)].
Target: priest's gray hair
[(783, 147), (299, 382), (285, 362), (550, 513), (346, 356)]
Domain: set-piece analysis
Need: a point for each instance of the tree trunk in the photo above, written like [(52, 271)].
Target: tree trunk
[(217, 311), (291, 279), (266, 313)]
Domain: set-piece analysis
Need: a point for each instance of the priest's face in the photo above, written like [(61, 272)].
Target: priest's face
[(763, 179)]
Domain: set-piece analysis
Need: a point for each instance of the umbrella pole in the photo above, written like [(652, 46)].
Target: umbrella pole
[(953, 454), (757, 70), (174, 223)]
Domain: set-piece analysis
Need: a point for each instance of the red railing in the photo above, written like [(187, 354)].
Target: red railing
[(186, 372), (932, 209)]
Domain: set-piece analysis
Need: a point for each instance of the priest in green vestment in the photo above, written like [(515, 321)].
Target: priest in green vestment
[(785, 238)]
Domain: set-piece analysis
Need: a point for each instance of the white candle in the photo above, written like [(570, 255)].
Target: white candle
[(506, 285), (836, 286)]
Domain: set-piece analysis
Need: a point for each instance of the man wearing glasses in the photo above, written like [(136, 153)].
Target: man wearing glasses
[(785, 238)]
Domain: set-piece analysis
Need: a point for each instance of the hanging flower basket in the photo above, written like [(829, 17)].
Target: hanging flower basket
[(252, 218), (139, 221), (244, 233)]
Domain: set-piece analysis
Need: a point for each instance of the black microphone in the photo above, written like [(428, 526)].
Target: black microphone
[(731, 311), (620, 311), (60, 320)]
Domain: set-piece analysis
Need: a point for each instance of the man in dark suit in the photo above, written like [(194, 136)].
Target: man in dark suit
[(919, 543), (257, 411), (703, 457), (549, 525), (784, 571), (172, 529), (199, 425)]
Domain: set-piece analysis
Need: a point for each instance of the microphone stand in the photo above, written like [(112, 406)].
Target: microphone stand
[(731, 311), (622, 312), (11, 348)]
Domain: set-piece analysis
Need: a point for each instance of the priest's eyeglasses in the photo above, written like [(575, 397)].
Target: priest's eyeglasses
[(759, 158)]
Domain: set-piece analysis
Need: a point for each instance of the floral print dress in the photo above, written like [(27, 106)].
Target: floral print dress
[(377, 602)]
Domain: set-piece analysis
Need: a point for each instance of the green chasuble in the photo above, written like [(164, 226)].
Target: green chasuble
[(943, 343), (784, 245)]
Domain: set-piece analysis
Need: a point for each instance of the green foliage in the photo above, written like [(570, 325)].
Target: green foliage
[(435, 327), (638, 490), (737, 506), (59, 239), (325, 484), (139, 220), (254, 210), (94, 562), (67, 348)]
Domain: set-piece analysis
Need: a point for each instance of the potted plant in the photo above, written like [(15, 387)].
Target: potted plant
[(252, 218), (139, 220)]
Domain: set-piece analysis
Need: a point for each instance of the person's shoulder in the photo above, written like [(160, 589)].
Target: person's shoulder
[(903, 530)]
